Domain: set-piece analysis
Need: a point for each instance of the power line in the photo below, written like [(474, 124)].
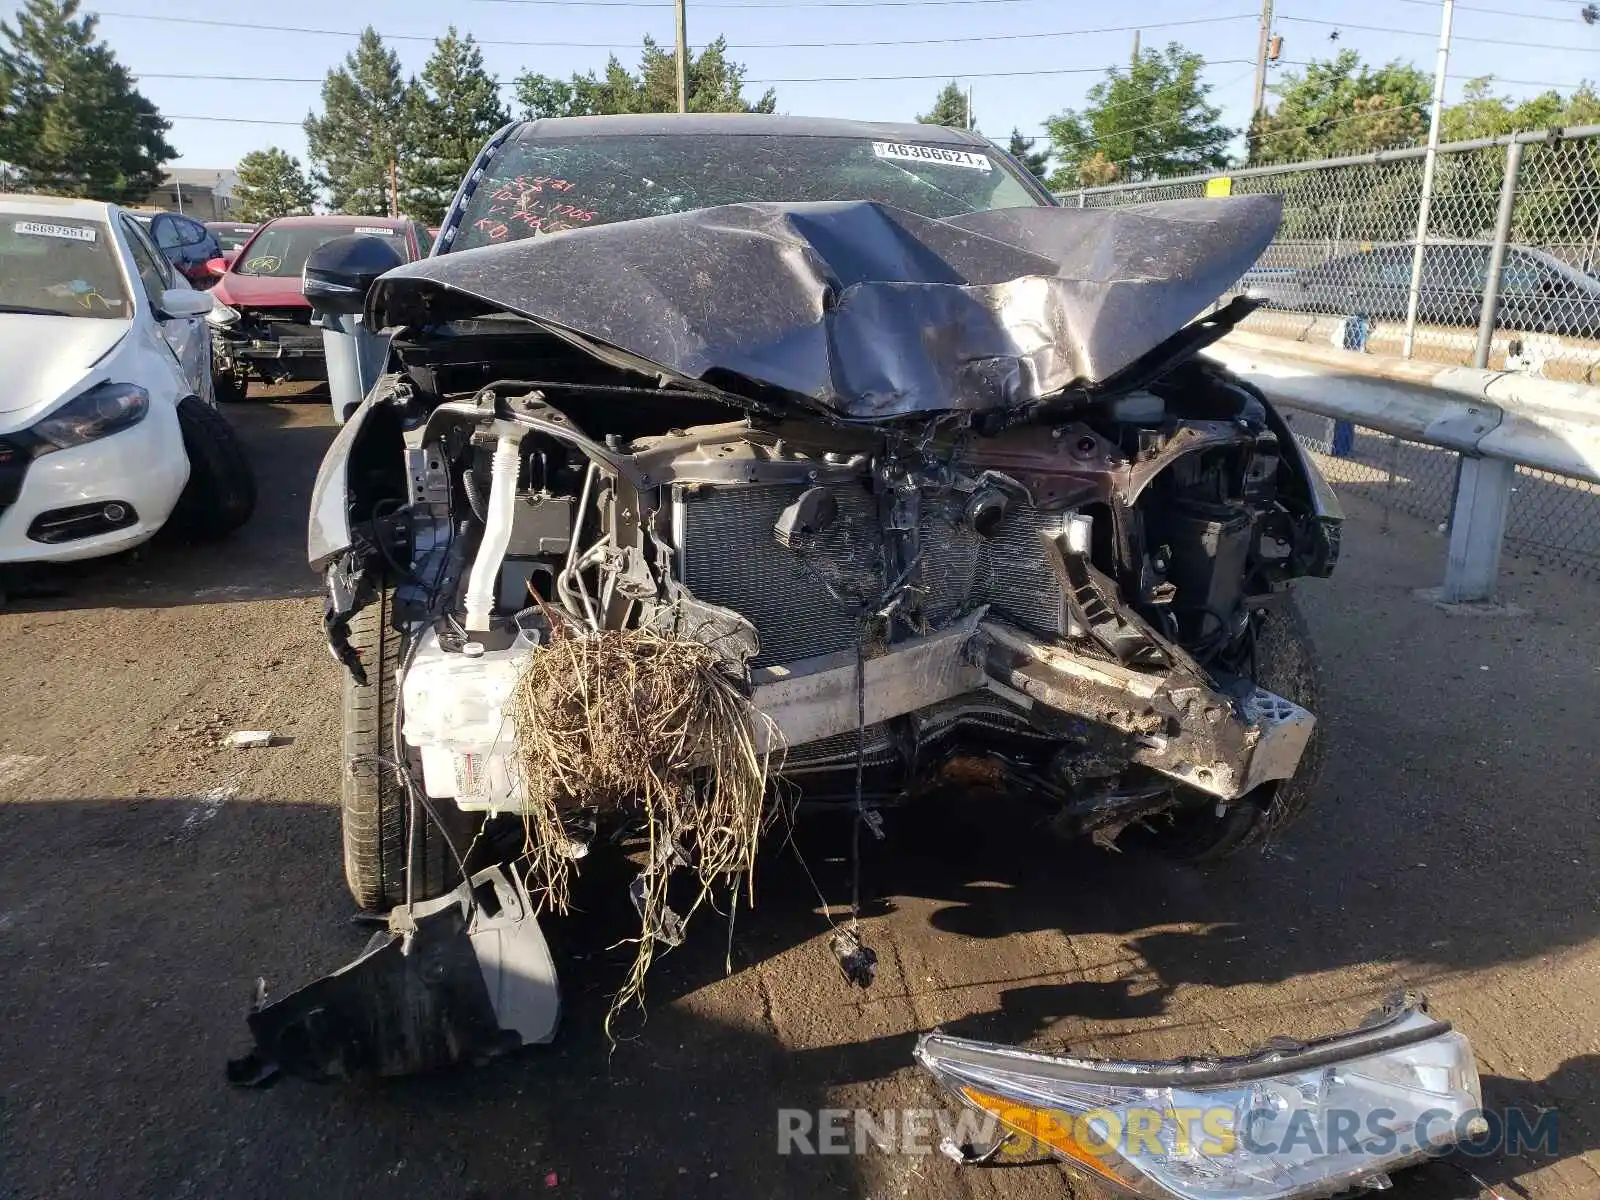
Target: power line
[(1493, 41), (417, 37), (983, 37), (230, 120), (793, 79), (1500, 12), (1544, 83), (349, 33)]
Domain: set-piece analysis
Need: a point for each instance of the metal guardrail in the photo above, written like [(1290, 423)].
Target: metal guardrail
[(1490, 456)]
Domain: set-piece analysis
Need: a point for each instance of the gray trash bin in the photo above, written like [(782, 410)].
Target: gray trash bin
[(355, 358)]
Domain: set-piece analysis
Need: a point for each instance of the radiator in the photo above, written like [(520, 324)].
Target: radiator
[(730, 557)]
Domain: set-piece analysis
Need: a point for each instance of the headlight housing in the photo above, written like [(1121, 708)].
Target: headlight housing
[(102, 410), (1297, 1119), (221, 315)]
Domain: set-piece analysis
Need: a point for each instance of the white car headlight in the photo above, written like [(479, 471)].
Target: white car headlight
[(221, 315), (102, 410), (1303, 1119)]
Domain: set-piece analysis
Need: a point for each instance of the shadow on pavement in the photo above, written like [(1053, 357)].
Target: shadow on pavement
[(132, 930)]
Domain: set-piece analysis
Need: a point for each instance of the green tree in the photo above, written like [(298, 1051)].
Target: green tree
[(71, 121), (1021, 149), (1481, 113), (451, 114), (1143, 122), (271, 184), (715, 84), (356, 145), (949, 108), (1342, 106)]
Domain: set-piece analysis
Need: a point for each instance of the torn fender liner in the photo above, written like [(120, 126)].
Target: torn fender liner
[(467, 977), (860, 309), (1326, 1117)]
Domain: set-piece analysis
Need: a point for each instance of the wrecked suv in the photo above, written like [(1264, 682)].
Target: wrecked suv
[(935, 464), (725, 465)]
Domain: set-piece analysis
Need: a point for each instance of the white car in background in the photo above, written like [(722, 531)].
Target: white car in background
[(108, 423)]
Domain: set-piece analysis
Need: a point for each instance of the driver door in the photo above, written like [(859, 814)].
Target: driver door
[(188, 337)]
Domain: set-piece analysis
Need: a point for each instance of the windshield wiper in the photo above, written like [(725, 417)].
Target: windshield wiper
[(32, 310)]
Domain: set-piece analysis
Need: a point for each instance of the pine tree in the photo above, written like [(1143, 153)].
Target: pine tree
[(715, 84), (452, 112), (271, 184), (1037, 162), (359, 139), (949, 108), (71, 121)]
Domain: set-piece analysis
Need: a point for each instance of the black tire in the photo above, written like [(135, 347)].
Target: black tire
[(230, 387), (375, 816), (221, 492), (1286, 663)]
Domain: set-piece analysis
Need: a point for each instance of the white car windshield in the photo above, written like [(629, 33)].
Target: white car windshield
[(60, 266)]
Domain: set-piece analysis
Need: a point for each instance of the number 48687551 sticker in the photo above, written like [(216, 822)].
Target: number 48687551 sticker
[(933, 154), (76, 233)]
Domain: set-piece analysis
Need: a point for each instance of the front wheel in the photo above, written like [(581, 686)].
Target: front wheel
[(1286, 663), (221, 492), (376, 816)]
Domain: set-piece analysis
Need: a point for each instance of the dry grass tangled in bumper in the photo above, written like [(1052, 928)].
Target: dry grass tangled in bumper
[(631, 720)]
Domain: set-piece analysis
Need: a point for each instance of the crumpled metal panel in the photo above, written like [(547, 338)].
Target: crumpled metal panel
[(863, 310)]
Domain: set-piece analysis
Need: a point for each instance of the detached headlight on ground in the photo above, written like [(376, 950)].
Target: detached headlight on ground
[(100, 411), (1290, 1120)]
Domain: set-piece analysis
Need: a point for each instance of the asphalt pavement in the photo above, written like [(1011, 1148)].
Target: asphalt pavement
[(151, 877)]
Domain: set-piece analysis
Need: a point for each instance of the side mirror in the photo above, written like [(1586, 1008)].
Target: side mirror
[(217, 266), (185, 302), (340, 272)]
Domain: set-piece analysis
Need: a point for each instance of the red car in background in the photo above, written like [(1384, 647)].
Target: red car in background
[(261, 326)]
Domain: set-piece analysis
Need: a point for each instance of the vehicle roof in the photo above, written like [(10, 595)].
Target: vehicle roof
[(230, 224), (327, 219), (691, 124), (61, 206)]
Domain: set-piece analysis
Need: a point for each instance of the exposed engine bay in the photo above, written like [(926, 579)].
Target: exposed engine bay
[(656, 529), (1057, 596)]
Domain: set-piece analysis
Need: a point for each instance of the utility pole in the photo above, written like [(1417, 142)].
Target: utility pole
[(394, 189), (1263, 48), (1133, 63), (969, 106), (1441, 65), (683, 56)]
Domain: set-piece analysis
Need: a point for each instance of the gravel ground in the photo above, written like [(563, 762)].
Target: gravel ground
[(150, 877)]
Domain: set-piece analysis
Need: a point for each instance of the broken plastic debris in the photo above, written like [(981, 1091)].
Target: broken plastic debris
[(248, 739)]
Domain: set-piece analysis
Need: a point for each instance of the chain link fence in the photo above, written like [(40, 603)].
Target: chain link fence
[(1514, 225)]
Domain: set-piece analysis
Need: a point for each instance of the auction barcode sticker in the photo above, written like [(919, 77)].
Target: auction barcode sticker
[(379, 229), (932, 154), (76, 233)]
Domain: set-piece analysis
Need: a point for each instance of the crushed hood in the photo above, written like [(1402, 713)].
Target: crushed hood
[(866, 311)]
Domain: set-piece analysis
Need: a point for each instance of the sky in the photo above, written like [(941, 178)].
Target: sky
[(1054, 49)]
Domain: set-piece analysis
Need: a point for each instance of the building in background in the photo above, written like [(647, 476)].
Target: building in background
[(206, 194)]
